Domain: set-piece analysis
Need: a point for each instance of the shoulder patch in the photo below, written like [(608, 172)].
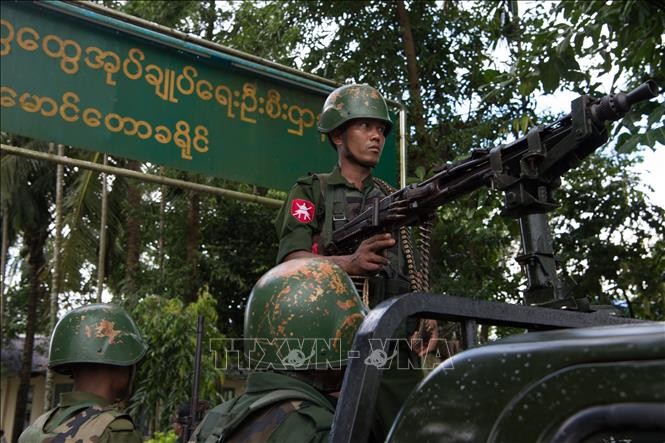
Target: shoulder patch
[(302, 210)]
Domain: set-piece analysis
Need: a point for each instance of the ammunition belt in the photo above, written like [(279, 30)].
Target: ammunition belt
[(418, 278)]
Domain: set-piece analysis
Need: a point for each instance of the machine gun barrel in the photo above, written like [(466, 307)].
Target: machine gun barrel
[(527, 170), (614, 106)]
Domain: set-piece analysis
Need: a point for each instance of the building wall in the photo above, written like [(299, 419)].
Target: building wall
[(10, 391), (8, 402)]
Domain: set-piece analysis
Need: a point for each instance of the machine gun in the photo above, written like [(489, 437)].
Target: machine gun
[(527, 170)]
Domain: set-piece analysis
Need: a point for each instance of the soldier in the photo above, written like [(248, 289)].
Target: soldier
[(356, 121), (300, 321), (99, 346)]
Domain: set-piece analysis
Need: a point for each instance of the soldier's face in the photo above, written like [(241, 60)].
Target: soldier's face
[(362, 141)]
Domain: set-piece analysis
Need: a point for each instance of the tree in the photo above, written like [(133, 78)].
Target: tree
[(82, 217), (169, 328), (467, 98), (610, 236), (27, 196), (500, 99)]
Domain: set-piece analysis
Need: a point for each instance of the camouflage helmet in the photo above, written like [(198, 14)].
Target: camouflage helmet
[(96, 333), (349, 102), (302, 314)]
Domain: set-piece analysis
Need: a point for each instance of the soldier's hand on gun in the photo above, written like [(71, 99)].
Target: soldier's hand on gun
[(370, 256), (425, 339)]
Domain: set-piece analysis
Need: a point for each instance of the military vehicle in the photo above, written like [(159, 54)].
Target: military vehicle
[(581, 373)]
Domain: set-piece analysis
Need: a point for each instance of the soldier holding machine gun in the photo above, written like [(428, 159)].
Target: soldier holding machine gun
[(527, 170), (356, 121), (315, 218)]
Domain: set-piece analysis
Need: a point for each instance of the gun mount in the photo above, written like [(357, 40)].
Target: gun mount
[(527, 171)]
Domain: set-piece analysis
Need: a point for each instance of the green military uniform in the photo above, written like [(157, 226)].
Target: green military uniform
[(293, 307), (334, 201), (312, 236), (82, 417), (320, 203), (96, 334), (275, 408)]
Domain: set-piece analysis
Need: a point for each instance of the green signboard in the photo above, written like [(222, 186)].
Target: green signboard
[(79, 77)]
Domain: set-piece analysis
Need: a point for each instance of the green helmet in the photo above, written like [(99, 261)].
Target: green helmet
[(302, 314), (96, 333), (350, 102)]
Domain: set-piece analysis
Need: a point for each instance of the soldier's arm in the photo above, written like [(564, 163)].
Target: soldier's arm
[(367, 258), (296, 232)]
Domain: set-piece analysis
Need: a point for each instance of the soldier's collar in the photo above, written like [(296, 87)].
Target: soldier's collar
[(73, 397), (336, 178)]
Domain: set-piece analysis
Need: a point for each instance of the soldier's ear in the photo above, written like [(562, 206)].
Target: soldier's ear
[(335, 137)]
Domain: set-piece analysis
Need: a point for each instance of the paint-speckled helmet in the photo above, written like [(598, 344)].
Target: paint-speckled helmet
[(97, 333), (350, 102), (302, 314)]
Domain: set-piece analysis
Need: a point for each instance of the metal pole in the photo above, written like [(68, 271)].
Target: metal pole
[(3, 263), (469, 334), (102, 238), (402, 145), (194, 406), (55, 269), (538, 260), (162, 224), (271, 202)]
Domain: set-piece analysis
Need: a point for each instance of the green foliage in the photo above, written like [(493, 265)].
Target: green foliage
[(573, 44), (165, 376), (163, 437), (611, 238), (26, 197), (470, 243), (363, 41), (82, 218), (237, 244), (626, 36), (255, 26), (166, 13)]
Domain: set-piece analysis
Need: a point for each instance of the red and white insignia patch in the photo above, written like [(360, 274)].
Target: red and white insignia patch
[(302, 210)]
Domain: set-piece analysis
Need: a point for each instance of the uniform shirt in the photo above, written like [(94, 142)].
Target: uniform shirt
[(300, 223), (305, 419), (299, 226), (296, 228), (120, 429)]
